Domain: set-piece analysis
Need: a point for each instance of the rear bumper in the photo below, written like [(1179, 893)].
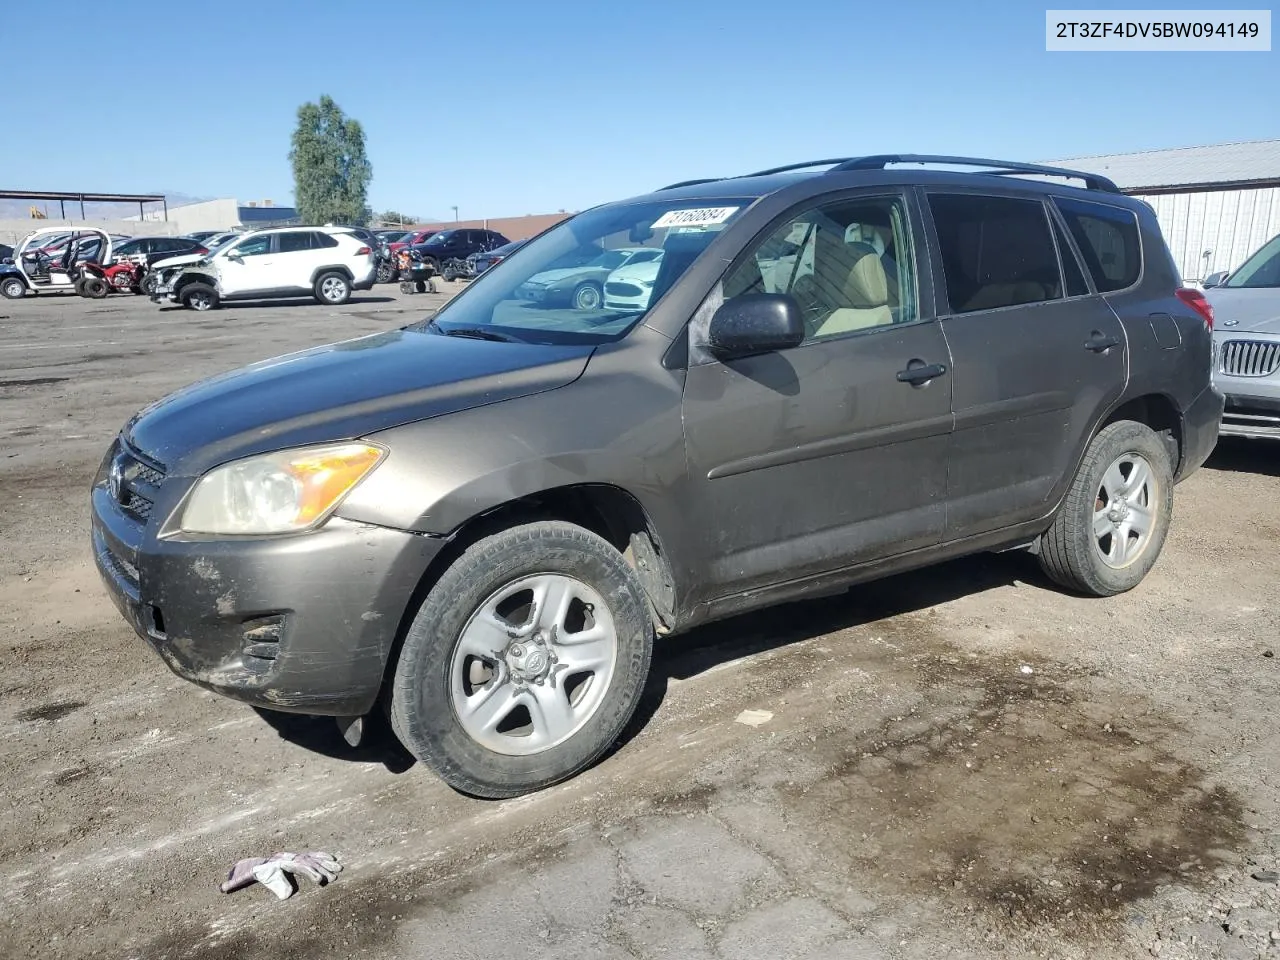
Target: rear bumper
[(303, 624), (1200, 425)]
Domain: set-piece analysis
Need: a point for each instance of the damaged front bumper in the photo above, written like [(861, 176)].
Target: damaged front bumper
[(303, 623)]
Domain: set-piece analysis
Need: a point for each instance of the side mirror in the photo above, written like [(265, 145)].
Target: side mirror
[(235, 257), (755, 323), (1215, 279)]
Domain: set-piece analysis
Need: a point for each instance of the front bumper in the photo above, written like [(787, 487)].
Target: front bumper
[(302, 623)]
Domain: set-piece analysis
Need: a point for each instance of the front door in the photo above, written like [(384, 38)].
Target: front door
[(1037, 356), (832, 453), (248, 267)]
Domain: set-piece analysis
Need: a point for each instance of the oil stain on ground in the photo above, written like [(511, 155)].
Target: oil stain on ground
[(1008, 789), (49, 711)]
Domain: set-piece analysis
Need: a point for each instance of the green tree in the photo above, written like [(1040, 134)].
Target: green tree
[(331, 173), (395, 217)]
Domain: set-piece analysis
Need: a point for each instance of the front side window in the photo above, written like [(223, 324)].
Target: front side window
[(573, 284), (1260, 270), (850, 266), (1108, 239), (253, 247), (996, 251)]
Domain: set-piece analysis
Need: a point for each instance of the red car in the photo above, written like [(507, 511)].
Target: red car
[(410, 239)]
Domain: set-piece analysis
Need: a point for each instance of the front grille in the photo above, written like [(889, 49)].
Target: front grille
[(123, 569), (1250, 358), (623, 289), (139, 483)]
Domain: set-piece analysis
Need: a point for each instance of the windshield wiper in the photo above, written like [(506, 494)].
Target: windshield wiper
[(471, 333)]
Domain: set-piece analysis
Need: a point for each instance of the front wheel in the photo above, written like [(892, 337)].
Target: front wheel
[(1113, 523), (386, 271), (199, 297), (333, 289), (13, 289), (524, 662), (149, 284)]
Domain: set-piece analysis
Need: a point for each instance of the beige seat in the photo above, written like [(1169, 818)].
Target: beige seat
[(853, 281)]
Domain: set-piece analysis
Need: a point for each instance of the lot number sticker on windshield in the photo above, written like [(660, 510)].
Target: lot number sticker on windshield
[(700, 217)]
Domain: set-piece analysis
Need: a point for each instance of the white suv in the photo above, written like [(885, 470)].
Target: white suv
[(323, 262)]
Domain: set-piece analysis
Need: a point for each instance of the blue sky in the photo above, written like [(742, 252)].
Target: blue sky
[(565, 103)]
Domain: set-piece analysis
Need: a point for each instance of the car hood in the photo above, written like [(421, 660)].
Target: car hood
[(563, 274), (1245, 309), (637, 271), (342, 391), (182, 261)]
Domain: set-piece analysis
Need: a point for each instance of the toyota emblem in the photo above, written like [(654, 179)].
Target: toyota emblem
[(115, 480)]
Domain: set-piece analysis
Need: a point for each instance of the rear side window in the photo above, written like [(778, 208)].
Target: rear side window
[(293, 242), (320, 241), (996, 251), (1076, 286), (1108, 239)]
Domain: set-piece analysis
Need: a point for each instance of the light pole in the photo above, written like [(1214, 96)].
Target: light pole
[(455, 214)]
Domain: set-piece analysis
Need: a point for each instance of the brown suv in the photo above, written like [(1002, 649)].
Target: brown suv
[(480, 522)]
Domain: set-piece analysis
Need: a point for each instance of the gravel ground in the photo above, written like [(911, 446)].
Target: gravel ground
[(959, 762)]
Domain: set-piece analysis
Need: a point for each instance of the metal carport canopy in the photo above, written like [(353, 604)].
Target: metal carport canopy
[(82, 198)]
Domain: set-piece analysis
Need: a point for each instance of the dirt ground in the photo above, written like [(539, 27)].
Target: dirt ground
[(961, 762)]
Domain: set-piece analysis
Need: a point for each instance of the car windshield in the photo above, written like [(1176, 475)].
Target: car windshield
[(501, 304), (1260, 270)]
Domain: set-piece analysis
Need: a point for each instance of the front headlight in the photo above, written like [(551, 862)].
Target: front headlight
[(284, 492)]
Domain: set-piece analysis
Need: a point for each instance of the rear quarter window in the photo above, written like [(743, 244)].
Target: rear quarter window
[(1108, 239)]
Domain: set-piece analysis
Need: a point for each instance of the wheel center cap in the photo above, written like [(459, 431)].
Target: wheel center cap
[(1119, 511), (528, 660)]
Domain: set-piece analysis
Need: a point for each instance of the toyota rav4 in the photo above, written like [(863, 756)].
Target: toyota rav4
[(478, 523), (327, 263)]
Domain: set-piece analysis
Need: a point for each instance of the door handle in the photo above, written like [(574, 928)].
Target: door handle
[(1099, 342), (919, 373)]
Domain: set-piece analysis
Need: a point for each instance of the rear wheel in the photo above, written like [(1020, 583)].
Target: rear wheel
[(95, 288), (588, 296), (333, 289), (1114, 520), (11, 288), (525, 661), (149, 283), (386, 271), (199, 297)]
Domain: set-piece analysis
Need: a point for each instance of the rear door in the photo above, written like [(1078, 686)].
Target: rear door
[(833, 453), (1038, 355), (298, 257)]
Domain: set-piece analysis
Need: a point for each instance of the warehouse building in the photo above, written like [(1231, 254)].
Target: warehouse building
[(1216, 204)]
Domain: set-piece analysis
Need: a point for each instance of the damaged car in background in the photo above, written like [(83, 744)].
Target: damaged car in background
[(326, 263)]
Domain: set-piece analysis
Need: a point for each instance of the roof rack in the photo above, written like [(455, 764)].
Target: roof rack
[(1092, 181)]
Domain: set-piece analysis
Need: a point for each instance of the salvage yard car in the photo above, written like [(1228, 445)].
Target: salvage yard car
[(479, 522), (581, 285), (1247, 344), (327, 263)]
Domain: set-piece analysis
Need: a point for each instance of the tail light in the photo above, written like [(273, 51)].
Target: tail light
[(201, 250), (363, 252), (1198, 302)]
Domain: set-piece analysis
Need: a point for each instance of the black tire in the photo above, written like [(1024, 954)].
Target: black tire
[(332, 289), (12, 288), (199, 297), (95, 288), (386, 271), (587, 296), (420, 286), (1072, 553), (447, 274), (149, 283), (406, 286), (421, 707)]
